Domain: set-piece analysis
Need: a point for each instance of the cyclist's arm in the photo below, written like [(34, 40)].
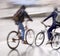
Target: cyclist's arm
[(47, 17), (28, 17)]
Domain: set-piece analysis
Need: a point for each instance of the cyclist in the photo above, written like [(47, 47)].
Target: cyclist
[(19, 19), (54, 15)]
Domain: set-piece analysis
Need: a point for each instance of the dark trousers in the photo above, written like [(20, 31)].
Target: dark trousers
[(54, 26)]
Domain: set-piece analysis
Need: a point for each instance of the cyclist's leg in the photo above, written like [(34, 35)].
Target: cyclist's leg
[(49, 32), (21, 27)]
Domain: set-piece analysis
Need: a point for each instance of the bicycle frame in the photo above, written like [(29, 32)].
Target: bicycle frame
[(26, 27), (46, 28)]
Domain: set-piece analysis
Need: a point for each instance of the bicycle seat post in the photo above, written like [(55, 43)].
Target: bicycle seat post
[(26, 24)]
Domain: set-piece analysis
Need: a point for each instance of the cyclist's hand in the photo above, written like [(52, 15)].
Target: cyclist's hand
[(30, 20), (42, 22), (16, 23)]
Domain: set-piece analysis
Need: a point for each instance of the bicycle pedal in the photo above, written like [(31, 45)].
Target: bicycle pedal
[(49, 43), (25, 42), (20, 38)]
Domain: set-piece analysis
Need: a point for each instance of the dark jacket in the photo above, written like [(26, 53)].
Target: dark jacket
[(22, 15), (54, 14)]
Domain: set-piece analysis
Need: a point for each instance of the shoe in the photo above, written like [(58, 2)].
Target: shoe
[(20, 37), (25, 42), (49, 42)]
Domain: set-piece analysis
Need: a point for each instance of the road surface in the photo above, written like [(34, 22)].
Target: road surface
[(7, 25)]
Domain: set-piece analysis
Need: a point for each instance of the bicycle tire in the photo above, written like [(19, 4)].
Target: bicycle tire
[(29, 36), (37, 39), (8, 43), (56, 40)]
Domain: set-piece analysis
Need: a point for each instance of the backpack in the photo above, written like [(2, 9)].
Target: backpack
[(15, 17), (19, 16)]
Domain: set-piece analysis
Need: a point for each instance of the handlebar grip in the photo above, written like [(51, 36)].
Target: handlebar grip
[(43, 24)]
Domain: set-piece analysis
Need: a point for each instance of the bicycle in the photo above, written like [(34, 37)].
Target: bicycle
[(40, 37), (14, 38)]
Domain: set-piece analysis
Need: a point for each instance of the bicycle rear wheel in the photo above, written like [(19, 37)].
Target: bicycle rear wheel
[(39, 39), (29, 37), (56, 41), (13, 40)]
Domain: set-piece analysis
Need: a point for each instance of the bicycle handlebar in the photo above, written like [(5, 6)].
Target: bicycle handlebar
[(26, 21), (45, 25)]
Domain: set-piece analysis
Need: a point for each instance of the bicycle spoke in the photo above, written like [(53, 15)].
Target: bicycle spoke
[(30, 36), (39, 39)]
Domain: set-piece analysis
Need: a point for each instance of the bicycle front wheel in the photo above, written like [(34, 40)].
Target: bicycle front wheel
[(39, 39), (13, 40), (29, 37), (56, 41)]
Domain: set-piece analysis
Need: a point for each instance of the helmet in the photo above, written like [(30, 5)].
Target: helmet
[(23, 7), (55, 9)]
